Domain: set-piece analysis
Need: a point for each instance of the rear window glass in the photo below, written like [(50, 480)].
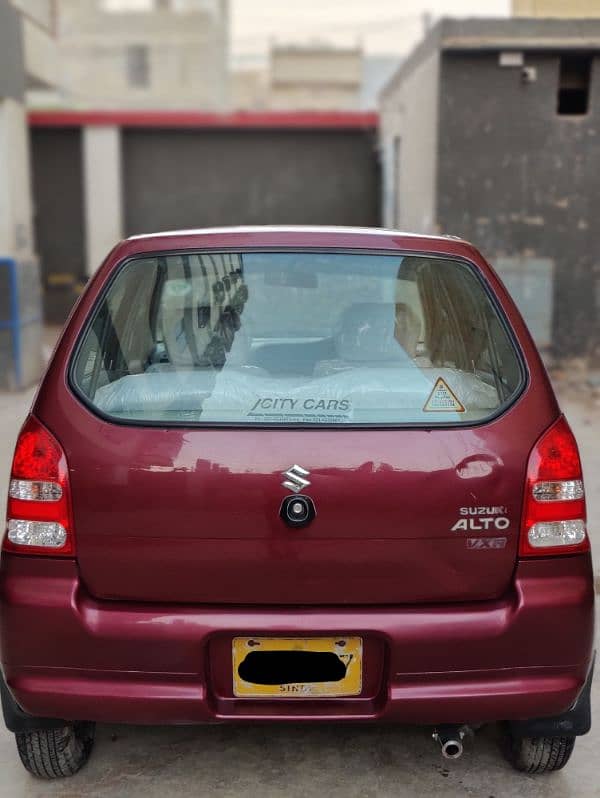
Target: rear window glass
[(296, 338)]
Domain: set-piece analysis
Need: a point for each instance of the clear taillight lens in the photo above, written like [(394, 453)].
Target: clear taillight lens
[(39, 518), (556, 533), (567, 490), (34, 491), (554, 512), (48, 534)]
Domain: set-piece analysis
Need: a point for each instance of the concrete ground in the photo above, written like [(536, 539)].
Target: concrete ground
[(297, 760)]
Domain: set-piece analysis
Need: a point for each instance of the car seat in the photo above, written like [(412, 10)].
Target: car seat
[(373, 334)]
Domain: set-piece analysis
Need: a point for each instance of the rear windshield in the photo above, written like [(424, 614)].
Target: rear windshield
[(296, 338)]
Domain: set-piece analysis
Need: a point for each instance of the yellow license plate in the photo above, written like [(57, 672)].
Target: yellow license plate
[(286, 667)]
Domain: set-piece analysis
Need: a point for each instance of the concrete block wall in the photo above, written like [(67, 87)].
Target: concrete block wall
[(475, 144), (521, 180)]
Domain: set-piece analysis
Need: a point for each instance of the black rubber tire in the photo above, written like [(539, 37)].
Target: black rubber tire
[(55, 753), (540, 754)]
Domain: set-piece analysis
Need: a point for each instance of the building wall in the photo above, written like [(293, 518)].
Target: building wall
[(12, 59), (154, 59), (315, 78), (359, 87), (409, 135), (39, 11), (26, 60), (41, 56), (16, 216), (102, 170), (519, 180), (316, 98), (15, 201), (316, 65), (556, 8), (175, 178), (249, 89)]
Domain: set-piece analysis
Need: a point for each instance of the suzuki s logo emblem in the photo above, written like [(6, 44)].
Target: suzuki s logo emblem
[(296, 478)]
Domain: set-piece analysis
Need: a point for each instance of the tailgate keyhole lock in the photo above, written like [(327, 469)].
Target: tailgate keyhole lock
[(297, 511)]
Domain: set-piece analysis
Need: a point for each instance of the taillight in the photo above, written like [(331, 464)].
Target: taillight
[(39, 518), (554, 513)]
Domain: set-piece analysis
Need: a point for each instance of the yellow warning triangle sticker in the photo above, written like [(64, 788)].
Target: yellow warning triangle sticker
[(442, 399)]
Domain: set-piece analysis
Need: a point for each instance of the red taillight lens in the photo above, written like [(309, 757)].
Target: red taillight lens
[(554, 515), (39, 518)]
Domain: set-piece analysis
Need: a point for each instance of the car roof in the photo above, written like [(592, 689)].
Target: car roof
[(296, 229), (294, 236)]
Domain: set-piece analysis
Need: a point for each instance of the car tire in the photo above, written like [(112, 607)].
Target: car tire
[(540, 754), (55, 753)]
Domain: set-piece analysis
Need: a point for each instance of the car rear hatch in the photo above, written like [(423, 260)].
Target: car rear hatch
[(401, 517), (389, 386)]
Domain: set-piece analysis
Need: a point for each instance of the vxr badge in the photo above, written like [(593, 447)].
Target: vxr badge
[(296, 478)]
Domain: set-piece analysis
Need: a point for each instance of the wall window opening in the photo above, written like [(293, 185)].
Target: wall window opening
[(574, 85), (138, 71)]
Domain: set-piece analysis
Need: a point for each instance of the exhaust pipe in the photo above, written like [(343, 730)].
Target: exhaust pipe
[(452, 749), (450, 739)]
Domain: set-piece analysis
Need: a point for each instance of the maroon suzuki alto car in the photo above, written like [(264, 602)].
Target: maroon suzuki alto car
[(284, 474)]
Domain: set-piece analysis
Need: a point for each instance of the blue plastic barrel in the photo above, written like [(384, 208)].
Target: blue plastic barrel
[(20, 323)]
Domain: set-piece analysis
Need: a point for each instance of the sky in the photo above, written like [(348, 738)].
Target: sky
[(382, 26)]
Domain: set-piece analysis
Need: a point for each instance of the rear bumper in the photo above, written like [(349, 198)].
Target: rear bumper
[(66, 655)]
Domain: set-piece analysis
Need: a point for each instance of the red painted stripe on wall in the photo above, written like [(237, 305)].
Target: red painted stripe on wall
[(309, 120)]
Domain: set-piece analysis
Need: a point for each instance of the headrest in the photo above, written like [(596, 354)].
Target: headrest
[(367, 334), (179, 297), (408, 328)]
